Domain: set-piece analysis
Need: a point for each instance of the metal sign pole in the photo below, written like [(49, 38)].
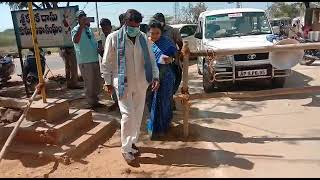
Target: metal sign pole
[(36, 51)]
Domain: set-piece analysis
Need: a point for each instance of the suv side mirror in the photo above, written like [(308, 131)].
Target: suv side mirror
[(198, 35)]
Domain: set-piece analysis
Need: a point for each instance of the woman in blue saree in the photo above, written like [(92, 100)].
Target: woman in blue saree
[(160, 103)]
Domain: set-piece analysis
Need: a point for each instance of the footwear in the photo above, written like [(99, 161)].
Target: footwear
[(113, 107), (74, 87), (136, 149), (129, 158), (98, 105)]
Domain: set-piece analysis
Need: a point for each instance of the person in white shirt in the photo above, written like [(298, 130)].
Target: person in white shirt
[(106, 27), (128, 67)]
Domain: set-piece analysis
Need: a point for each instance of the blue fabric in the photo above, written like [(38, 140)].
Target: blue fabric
[(163, 46), (161, 107), (86, 49), (121, 59), (161, 101)]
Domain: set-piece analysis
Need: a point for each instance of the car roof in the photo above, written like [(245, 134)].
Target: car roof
[(227, 11), (178, 26)]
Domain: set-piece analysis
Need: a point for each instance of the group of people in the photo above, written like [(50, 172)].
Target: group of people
[(135, 67)]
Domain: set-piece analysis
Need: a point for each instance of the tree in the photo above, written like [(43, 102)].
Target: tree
[(68, 54), (168, 19), (282, 9), (190, 13)]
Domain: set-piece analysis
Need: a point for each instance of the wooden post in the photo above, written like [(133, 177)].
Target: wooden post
[(184, 90), (36, 51)]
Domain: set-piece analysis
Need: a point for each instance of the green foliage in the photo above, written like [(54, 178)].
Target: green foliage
[(191, 13), (7, 38), (283, 9)]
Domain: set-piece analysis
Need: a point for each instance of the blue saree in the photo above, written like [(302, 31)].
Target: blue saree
[(161, 101)]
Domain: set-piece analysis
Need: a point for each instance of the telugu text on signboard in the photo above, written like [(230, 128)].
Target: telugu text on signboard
[(53, 27)]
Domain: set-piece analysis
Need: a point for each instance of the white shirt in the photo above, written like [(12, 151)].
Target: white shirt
[(135, 71)]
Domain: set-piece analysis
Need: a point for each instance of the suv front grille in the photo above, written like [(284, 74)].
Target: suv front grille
[(251, 57)]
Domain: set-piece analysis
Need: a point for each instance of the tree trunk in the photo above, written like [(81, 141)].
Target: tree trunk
[(69, 57)]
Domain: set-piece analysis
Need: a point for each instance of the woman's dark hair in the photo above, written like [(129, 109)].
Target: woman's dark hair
[(105, 22), (155, 24), (133, 15), (160, 17)]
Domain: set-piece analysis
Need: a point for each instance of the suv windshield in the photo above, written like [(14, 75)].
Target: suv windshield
[(236, 24)]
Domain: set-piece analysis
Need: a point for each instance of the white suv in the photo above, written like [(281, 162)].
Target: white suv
[(236, 28)]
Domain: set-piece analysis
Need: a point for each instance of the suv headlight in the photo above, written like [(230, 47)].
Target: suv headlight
[(223, 60)]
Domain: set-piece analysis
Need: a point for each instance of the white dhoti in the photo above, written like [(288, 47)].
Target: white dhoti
[(131, 108)]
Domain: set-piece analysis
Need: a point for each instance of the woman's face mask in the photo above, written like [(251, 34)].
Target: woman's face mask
[(132, 31)]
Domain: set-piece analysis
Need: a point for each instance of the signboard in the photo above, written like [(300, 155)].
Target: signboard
[(53, 27)]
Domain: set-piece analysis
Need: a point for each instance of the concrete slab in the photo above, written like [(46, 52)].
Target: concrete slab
[(51, 133), (75, 148), (51, 111)]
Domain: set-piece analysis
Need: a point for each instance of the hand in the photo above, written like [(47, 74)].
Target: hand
[(100, 50), (155, 85), (108, 89), (39, 87), (82, 22), (166, 59)]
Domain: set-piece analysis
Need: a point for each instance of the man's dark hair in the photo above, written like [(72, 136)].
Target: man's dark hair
[(155, 24), (121, 17), (133, 15), (105, 22), (159, 17)]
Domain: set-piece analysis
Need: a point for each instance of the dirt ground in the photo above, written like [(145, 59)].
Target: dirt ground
[(269, 137)]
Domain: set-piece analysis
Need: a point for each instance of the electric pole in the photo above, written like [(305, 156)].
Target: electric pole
[(97, 18), (176, 12)]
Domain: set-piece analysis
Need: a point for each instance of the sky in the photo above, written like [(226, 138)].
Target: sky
[(112, 10)]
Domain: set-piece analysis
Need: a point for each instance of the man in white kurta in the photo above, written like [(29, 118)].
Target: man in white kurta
[(132, 103)]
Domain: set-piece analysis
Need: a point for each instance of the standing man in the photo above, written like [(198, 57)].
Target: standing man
[(175, 36), (128, 67), (121, 20), (106, 27), (70, 61), (86, 49)]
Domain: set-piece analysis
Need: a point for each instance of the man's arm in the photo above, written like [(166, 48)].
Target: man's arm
[(107, 61)]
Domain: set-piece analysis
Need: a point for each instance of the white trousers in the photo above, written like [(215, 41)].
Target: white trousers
[(131, 107)]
